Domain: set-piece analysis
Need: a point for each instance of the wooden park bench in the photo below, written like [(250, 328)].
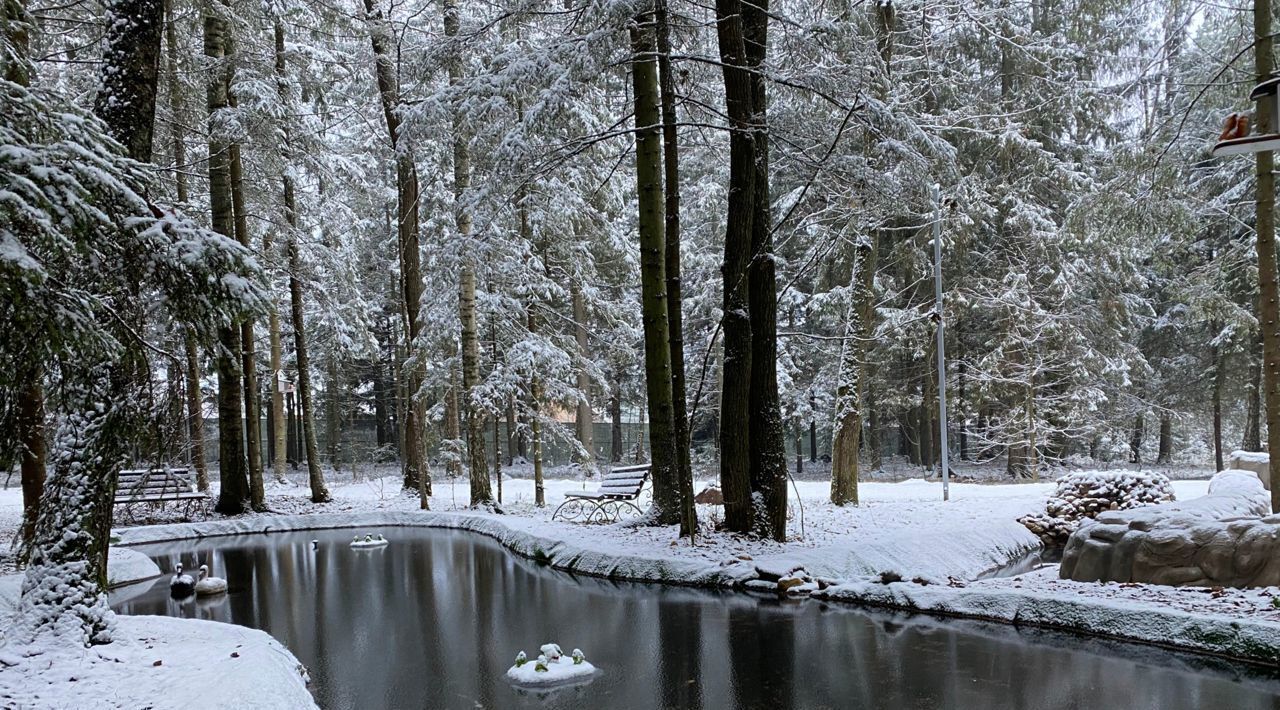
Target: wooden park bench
[(616, 498), (156, 487)]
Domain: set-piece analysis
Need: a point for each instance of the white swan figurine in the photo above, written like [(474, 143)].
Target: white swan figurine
[(182, 585), (208, 586)]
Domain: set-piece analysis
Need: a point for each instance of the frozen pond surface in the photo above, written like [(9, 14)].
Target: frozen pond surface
[(434, 620)]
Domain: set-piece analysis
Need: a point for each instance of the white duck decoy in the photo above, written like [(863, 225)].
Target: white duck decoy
[(182, 585), (208, 586)]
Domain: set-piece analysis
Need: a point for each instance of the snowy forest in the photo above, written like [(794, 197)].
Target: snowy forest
[(296, 249)]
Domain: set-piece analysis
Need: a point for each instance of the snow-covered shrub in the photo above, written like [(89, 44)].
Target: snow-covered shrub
[(1083, 494)]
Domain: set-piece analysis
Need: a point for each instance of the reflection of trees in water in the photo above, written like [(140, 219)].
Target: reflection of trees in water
[(680, 653), (762, 654), (435, 619)]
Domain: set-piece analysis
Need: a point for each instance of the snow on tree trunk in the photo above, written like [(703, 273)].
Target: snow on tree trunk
[(848, 404), (584, 418), (126, 100), (64, 589)]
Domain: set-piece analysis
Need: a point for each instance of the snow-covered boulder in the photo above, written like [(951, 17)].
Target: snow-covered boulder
[(1221, 539), (1259, 462), (1082, 495), (125, 566)]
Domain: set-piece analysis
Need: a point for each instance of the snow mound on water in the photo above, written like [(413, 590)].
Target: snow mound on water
[(560, 670), (125, 566)]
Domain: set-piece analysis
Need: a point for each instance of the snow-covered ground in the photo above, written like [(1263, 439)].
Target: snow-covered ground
[(158, 662), (1239, 623)]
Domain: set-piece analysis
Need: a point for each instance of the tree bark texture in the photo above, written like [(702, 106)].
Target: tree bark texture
[(653, 280), (735, 390), (407, 232), (849, 408), (671, 236), (126, 100), (233, 475)]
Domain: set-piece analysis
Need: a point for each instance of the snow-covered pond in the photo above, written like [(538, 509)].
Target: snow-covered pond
[(435, 619)]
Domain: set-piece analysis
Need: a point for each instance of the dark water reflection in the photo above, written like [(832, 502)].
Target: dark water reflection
[(434, 620)]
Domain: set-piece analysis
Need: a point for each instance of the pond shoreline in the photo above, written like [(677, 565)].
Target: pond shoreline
[(1215, 635)]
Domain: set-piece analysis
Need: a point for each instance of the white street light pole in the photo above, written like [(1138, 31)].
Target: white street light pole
[(942, 353)]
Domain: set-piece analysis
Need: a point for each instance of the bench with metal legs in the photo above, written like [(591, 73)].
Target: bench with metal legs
[(615, 500)]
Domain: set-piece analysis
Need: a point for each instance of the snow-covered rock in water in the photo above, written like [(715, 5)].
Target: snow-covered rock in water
[(1220, 540), (125, 566), (550, 667), (1084, 494), (1257, 462), (369, 541)]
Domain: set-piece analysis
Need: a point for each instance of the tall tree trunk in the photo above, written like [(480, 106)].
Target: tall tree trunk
[(849, 409), (735, 390), (584, 420), (195, 414), (1219, 381), (799, 444), (31, 436), (248, 356), (813, 426), (1135, 438), (332, 416), (963, 407), (653, 280), (177, 138), (497, 420), (232, 466), (126, 100), (928, 405), (671, 255), (278, 435), (767, 435), (479, 467), (615, 418), (1264, 226), (535, 429), (195, 398), (413, 454), (513, 432), (535, 386), (72, 530), (453, 430), (1165, 457), (1253, 417), (874, 440), (319, 492)]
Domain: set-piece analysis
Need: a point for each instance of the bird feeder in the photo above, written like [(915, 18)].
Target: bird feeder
[(1236, 138)]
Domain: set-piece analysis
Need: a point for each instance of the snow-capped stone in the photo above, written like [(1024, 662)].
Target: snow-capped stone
[(1218, 540), (1085, 494)]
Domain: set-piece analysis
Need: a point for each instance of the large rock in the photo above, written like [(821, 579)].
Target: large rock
[(1259, 462), (1221, 539), (1083, 495)]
